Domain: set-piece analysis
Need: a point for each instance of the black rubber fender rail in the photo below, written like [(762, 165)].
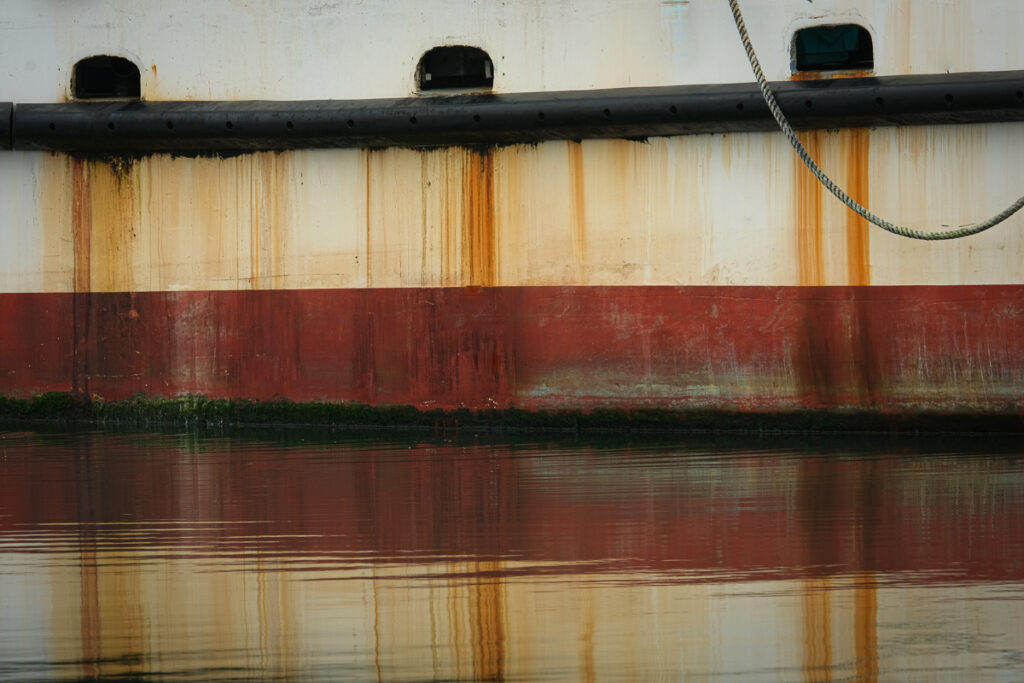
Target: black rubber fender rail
[(140, 126)]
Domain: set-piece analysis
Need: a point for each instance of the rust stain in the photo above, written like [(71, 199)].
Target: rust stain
[(366, 159), (104, 211), (579, 207), (587, 652), (112, 203), (816, 499), (477, 237), (828, 75), (255, 264), (425, 188), (289, 629), (870, 500), (125, 217), (81, 231), (271, 218), (457, 619), (817, 630), (489, 625), (810, 243), (865, 600), (855, 145), (450, 260), (81, 225), (376, 630)]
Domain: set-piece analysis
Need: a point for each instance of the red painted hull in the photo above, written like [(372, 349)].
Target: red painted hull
[(748, 348)]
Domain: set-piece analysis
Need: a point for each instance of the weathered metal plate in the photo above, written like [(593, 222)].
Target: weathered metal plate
[(742, 348)]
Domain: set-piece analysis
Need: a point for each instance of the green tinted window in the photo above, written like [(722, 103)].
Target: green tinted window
[(821, 48)]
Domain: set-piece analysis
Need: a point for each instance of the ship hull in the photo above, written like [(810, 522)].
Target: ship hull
[(576, 233), (887, 349)]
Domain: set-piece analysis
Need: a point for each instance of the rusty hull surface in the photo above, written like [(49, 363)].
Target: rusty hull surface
[(702, 271), (747, 348), (681, 211)]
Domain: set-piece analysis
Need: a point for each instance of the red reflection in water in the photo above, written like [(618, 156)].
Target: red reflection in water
[(775, 515)]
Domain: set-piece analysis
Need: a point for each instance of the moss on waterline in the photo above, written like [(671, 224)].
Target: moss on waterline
[(202, 412)]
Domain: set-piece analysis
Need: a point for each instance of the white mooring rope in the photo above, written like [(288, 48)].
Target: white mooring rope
[(769, 98)]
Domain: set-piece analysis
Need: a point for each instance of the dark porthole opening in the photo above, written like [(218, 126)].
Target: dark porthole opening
[(455, 66), (833, 48), (105, 77)]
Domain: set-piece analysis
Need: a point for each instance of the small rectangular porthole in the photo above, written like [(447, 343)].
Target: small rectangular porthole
[(455, 67), (105, 77), (834, 47)]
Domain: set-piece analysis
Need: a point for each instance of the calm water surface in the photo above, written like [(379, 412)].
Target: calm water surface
[(304, 557)]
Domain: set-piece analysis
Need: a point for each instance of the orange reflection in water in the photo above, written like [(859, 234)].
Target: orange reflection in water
[(186, 556)]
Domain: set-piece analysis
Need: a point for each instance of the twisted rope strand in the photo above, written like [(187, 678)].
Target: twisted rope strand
[(769, 98)]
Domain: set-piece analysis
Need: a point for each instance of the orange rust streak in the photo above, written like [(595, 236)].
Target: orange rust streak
[(81, 225), (866, 629), (272, 217), (112, 207), (424, 216), (456, 618), (489, 626), (855, 146), (452, 267), (81, 237), (810, 247), (579, 207), (478, 244), (366, 157), (587, 653), (256, 270), (817, 630), (828, 75)]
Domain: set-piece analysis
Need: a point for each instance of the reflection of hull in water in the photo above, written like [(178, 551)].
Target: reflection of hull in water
[(761, 516), (172, 555), (545, 261)]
